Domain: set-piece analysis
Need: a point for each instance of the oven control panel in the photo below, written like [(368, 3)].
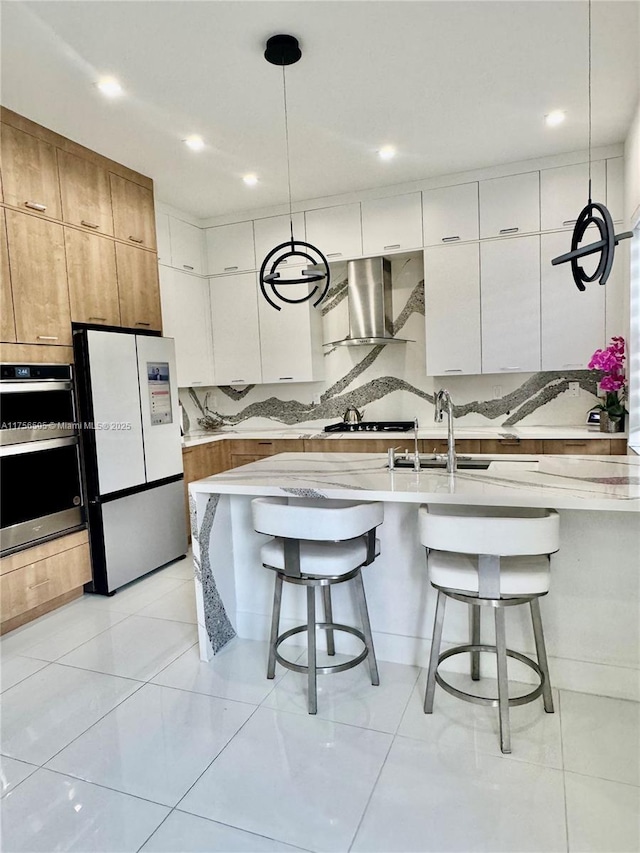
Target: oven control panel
[(12, 372)]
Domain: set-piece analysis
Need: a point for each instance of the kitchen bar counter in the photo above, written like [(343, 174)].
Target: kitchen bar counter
[(578, 431), (591, 614)]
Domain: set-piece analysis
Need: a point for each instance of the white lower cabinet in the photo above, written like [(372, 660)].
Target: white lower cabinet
[(510, 303), (573, 321), (235, 329), (186, 318), (291, 342), (452, 309)]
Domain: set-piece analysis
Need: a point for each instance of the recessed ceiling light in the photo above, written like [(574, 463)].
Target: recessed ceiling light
[(109, 86), (250, 180), (553, 119), (194, 142), (387, 152)]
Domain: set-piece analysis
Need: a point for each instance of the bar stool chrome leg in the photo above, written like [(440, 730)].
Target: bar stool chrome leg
[(366, 628), (311, 649), (436, 641), (541, 653), (503, 683), (275, 626), (475, 616), (328, 617)]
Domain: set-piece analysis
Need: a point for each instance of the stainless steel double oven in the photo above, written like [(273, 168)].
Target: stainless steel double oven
[(40, 480)]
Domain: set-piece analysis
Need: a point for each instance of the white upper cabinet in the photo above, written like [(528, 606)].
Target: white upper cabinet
[(235, 329), (450, 214), (452, 309), (336, 231), (573, 322), (291, 341), (273, 231), (391, 224), (510, 302), (230, 248), (187, 246), (163, 238), (510, 205), (615, 188), (186, 318), (564, 191)]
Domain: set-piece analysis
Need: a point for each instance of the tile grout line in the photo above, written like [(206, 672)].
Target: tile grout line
[(564, 777), (370, 797)]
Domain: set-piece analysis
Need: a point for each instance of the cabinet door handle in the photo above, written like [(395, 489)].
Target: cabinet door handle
[(394, 246), (237, 381), (508, 230), (196, 381), (187, 267), (575, 444), (47, 337), (139, 323), (334, 254), (88, 224), (286, 377), (42, 583), (266, 442), (570, 222), (449, 239), (35, 206), (509, 368), (230, 269), (454, 370), (103, 319), (136, 239)]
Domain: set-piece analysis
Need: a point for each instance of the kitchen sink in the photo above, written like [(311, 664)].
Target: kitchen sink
[(473, 464)]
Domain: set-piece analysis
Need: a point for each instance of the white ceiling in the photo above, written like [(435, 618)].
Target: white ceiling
[(454, 85)]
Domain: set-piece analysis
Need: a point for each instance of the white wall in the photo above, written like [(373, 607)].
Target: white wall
[(632, 214)]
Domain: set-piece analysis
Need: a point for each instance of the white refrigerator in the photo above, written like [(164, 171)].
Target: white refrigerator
[(127, 400)]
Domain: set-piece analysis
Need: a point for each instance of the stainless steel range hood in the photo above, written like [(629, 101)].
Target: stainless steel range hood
[(369, 297)]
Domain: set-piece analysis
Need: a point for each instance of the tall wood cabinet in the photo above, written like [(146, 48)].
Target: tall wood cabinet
[(77, 239), (38, 279)]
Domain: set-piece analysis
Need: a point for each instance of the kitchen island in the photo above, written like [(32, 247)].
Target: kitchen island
[(590, 615)]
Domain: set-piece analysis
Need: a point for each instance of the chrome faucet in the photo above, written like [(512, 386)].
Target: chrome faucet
[(443, 398)]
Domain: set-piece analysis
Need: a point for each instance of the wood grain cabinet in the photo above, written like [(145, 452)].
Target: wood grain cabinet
[(29, 172), (85, 192), (7, 319), (91, 271), (203, 460), (39, 579), (138, 288), (133, 213), (38, 279)]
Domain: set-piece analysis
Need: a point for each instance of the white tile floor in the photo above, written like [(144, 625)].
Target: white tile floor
[(116, 738)]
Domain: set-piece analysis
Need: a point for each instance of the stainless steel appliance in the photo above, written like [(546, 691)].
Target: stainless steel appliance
[(41, 488), (352, 416), (371, 426), (132, 453)]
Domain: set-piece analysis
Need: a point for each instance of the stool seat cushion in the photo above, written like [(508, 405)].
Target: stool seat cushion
[(527, 575), (327, 559)]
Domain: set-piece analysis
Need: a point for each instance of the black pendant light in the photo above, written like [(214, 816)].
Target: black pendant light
[(284, 50), (593, 214)]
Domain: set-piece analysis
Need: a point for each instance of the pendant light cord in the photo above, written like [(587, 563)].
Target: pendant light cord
[(286, 135), (589, 101)]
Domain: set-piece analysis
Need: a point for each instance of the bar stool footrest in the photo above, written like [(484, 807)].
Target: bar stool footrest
[(488, 700), (322, 670)]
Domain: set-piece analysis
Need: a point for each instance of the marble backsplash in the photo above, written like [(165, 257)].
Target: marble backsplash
[(389, 382)]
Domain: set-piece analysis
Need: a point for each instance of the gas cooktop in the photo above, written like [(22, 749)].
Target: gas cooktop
[(371, 426)]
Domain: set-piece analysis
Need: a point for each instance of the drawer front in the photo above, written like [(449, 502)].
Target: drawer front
[(586, 447), (440, 445), (37, 583), (511, 445), (265, 447), (238, 459), (618, 446), (357, 445)]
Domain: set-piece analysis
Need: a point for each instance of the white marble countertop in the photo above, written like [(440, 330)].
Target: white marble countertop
[(562, 482), (579, 431)]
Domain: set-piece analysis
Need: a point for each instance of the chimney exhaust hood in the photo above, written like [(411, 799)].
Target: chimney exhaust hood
[(369, 298)]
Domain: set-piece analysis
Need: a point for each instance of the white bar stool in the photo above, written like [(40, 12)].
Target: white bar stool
[(494, 557), (318, 544)]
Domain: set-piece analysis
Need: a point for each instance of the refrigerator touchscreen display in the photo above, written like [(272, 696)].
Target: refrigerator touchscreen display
[(159, 392)]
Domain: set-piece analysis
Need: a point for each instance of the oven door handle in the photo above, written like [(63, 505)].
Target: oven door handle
[(36, 446), (43, 385)]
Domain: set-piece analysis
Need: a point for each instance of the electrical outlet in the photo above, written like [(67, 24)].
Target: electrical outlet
[(497, 392), (316, 399), (574, 389)]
